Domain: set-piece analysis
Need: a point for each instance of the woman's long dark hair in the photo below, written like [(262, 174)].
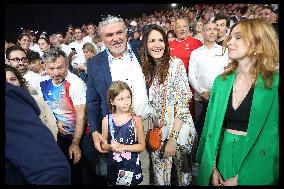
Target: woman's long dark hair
[(22, 80), (149, 67)]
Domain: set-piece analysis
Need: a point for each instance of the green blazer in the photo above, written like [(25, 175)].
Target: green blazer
[(260, 158)]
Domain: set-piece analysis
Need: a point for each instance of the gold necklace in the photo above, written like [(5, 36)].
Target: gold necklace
[(237, 102), (247, 86)]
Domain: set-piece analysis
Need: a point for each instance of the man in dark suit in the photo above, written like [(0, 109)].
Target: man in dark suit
[(120, 61), (32, 155)]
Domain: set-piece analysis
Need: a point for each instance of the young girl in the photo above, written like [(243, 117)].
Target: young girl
[(124, 133)]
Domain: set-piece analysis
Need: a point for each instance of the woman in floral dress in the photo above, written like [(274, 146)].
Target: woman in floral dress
[(169, 90)]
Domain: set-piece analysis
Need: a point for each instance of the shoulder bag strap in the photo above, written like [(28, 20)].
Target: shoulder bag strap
[(164, 104)]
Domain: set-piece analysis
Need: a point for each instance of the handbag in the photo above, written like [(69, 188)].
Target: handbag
[(154, 139), (154, 135)]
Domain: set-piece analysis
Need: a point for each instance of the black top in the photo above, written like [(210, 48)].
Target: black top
[(238, 119)]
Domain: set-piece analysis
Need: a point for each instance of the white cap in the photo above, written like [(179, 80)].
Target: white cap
[(133, 23)]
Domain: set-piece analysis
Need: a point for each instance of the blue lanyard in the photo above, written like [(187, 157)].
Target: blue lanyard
[(129, 51), (110, 123)]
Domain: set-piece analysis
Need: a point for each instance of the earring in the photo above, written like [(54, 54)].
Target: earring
[(254, 53)]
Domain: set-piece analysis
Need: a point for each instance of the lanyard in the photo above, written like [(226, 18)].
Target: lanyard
[(129, 51), (110, 123)]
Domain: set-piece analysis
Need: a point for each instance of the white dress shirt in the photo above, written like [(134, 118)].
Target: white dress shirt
[(128, 69), (65, 48), (79, 57), (204, 66), (88, 39)]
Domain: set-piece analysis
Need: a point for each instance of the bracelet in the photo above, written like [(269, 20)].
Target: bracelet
[(174, 135)]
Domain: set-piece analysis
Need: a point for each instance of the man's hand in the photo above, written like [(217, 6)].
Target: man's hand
[(81, 67), (61, 129), (98, 139), (75, 152), (72, 53)]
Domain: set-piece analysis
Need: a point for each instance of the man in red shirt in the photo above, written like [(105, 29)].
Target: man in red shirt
[(184, 44), (182, 48)]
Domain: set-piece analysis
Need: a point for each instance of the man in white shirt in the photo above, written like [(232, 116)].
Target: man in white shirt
[(205, 64), (91, 30), (120, 61), (59, 42), (76, 53)]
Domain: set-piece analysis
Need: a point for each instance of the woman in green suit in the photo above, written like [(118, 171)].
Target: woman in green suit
[(239, 144)]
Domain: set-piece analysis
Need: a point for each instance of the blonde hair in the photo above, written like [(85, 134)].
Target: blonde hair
[(114, 90), (89, 47), (263, 49)]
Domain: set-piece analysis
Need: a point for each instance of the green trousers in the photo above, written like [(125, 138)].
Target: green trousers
[(230, 153)]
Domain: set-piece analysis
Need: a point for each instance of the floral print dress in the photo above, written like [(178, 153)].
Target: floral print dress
[(178, 96)]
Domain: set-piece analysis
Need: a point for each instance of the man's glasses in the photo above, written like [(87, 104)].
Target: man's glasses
[(24, 59)]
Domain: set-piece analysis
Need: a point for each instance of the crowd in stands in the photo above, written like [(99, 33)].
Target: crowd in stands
[(197, 15), (72, 41), (101, 87)]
